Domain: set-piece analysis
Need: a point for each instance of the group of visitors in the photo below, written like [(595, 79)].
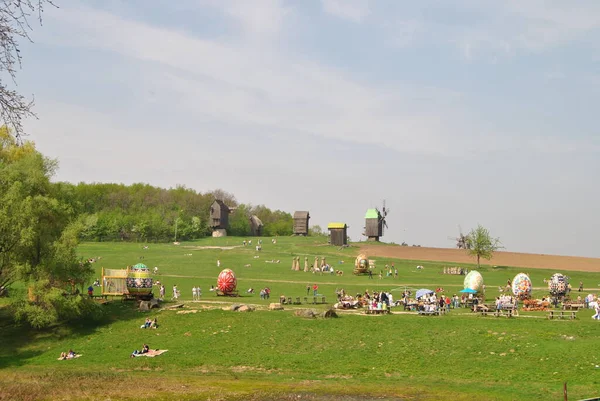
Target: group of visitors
[(196, 293), (150, 324), (265, 293)]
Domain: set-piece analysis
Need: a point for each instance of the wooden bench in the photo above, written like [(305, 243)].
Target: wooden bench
[(429, 312), (573, 306), (297, 301), (376, 311), (562, 314), (323, 300), (503, 312)]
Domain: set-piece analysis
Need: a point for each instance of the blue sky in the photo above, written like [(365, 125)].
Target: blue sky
[(456, 113)]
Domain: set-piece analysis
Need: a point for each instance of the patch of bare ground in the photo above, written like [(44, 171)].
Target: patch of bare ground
[(526, 260)]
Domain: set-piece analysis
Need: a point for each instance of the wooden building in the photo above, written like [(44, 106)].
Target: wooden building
[(338, 234), (373, 225), (256, 226), (219, 215), (301, 223)]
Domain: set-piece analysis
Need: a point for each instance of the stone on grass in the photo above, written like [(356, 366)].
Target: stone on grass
[(329, 313), (245, 308), (275, 306), (309, 313)]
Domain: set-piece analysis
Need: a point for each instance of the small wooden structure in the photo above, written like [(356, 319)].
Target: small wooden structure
[(338, 233), (301, 223), (114, 282), (256, 226), (219, 217), (373, 225)]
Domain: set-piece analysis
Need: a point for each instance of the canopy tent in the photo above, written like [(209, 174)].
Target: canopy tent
[(422, 292), (469, 291), (140, 266)]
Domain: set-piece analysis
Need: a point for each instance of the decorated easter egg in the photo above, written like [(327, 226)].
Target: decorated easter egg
[(139, 281), (474, 281), (521, 285), (226, 282), (558, 284)]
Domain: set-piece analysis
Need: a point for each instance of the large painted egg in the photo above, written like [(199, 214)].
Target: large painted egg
[(138, 280), (226, 282), (558, 284), (521, 285), (474, 281)]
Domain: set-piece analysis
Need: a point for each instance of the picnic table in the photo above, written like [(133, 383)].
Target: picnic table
[(562, 314), (573, 306)]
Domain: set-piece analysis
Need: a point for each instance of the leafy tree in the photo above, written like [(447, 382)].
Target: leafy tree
[(316, 231), (483, 245), (38, 237), (14, 25)]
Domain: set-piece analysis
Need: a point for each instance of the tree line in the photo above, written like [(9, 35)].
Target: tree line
[(41, 223), (142, 212)]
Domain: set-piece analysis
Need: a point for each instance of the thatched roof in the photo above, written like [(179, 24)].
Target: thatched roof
[(255, 221), (336, 226), (301, 215)]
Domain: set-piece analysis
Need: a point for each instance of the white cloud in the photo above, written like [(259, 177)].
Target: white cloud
[(253, 85), (264, 17), (351, 10)]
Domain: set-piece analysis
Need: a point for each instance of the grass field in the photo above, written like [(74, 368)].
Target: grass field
[(217, 354)]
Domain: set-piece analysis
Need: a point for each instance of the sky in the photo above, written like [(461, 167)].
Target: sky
[(456, 113)]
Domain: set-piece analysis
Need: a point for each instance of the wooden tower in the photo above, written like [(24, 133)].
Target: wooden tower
[(375, 223), (338, 233), (219, 218), (256, 226), (301, 223)]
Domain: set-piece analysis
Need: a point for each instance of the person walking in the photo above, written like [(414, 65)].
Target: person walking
[(194, 293), (307, 289), (315, 289), (162, 292), (175, 292)]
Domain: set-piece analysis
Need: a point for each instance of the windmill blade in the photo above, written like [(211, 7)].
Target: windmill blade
[(385, 223)]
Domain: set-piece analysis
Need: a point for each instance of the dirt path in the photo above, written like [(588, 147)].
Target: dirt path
[(528, 260)]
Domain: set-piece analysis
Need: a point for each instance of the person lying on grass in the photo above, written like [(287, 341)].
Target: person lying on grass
[(144, 350), (68, 355)]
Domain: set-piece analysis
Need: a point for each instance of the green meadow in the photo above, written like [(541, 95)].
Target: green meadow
[(218, 354)]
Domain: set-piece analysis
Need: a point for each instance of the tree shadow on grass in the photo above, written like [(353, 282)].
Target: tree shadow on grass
[(21, 343)]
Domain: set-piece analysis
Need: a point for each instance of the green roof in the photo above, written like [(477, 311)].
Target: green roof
[(372, 214), (336, 225)]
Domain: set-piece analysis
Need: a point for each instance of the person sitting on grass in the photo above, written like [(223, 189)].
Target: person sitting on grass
[(154, 324)]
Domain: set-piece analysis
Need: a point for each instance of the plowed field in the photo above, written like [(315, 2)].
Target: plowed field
[(529, 260)]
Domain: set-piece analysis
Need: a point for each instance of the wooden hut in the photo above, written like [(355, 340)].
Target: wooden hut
[(301, 223), (338, 233), (219, 217), (373, 225), (256, 226)]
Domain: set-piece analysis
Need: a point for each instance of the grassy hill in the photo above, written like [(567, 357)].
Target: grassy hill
[(217, 354)]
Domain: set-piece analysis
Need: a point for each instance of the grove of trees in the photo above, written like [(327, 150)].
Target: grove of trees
[(41, 223)]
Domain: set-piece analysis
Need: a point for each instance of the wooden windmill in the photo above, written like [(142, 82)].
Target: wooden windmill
[(375, 223), (462, 241)]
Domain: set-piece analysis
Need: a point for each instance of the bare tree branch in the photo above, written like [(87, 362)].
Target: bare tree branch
[(14, 26)]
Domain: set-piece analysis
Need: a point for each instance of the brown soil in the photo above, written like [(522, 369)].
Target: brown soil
[(528, 260)]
